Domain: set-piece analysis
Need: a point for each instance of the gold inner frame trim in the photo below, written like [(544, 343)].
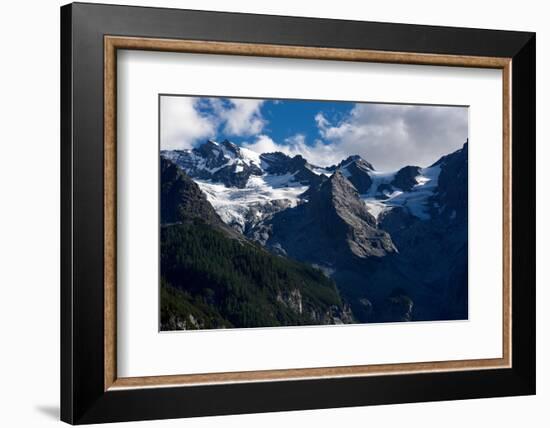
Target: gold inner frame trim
[(113, 43)]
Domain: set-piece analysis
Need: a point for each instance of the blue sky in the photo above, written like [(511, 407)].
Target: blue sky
[(288, 118), (324, 132)]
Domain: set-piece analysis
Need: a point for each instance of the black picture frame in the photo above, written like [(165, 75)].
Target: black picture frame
[(83, 398)]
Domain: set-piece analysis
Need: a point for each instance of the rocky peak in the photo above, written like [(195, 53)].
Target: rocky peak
[(451, 197), (279, 163), (340, 187), (218, 151), (274, 158), (344, 198), (220, 162), (182, 201), (405, 178), (357, 170), (231, 147), (333, 224), (457, 156), (181, 198), (208, 148), (351, 159), (211, 153), (363, 237), (358, 161)]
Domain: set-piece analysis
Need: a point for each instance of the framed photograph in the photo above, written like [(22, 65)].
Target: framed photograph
[(266, 213)]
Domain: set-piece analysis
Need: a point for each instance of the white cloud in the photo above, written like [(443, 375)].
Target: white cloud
[(242, 117), (263, 144), (317, 153), (321, 120), (183, 124), (180, 123), (388, 136), (296, 140), (391, 136)]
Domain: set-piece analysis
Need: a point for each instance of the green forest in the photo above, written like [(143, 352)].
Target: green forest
[(210, 280)]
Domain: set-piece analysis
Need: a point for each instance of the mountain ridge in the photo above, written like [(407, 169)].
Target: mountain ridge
[(394, 242), (213, 277)]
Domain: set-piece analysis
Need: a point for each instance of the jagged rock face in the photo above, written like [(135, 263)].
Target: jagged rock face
[(359, 178), (451, 198), (181, 200), (408, 263), (224, 162), (405, 179), (433, 255), (257, 185), (278, 163), (188, 322), (364, 239), (292, 299), (333, 225), (333, 315), (212, 154), (357, 170), (257, 214), (336, 315), (361, 163)]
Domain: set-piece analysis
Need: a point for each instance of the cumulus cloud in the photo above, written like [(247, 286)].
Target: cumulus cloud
[(387, 135), (391, 136), (263, 144), (188, 120), (235, 116), (243, 118), (181, 124)]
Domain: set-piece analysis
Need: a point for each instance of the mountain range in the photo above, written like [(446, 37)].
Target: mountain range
[(393, 243)]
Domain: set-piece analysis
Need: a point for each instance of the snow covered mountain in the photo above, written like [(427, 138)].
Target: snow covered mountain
[(245, 187), (390, 240), (219, 162)]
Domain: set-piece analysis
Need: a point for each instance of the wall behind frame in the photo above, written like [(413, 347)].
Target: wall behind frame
[(29, 219)]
